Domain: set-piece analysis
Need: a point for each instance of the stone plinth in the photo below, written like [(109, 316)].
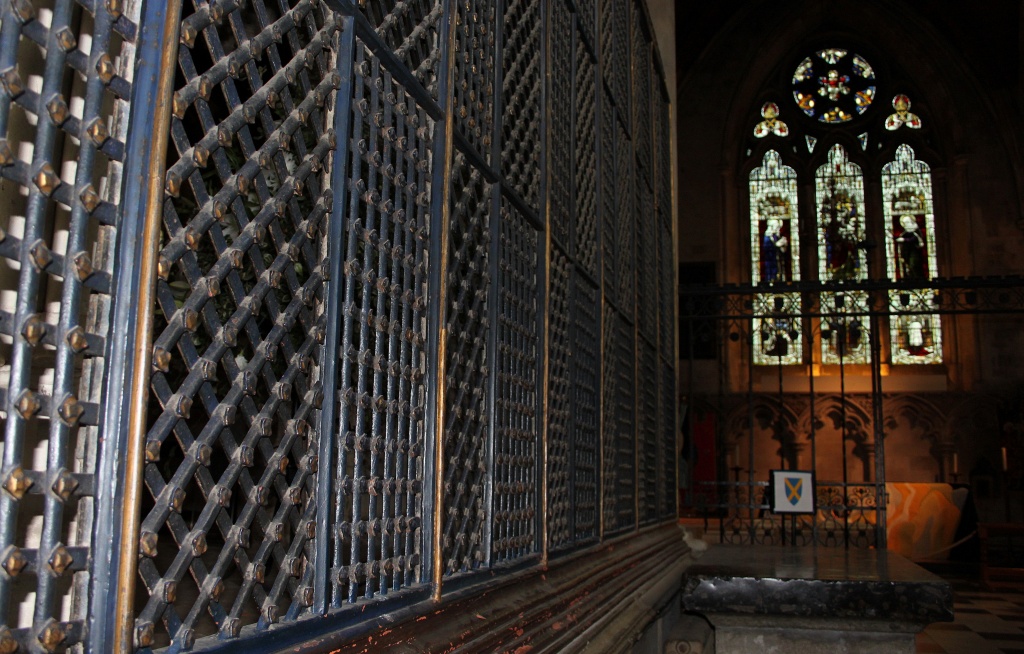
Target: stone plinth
[(828, 600)]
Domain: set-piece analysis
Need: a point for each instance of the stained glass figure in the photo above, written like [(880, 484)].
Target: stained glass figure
[(845, 328), (778, 335), (833, 87), (910, 246), (839, 197), (771, 123), (903, 116), (775, 246), (811, 142), (774, 229), (863, 138)]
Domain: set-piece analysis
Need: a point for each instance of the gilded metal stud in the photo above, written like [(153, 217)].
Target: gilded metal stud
[(181, 407), (58, 110), (242, 537), (105, 68), (8, 644), (188, 35), (71, 411), (203, 452), (223, 495), (64, 485), (198, 545), (115, 8), (190, 319), (90, 198), (205, 88), (232, 627), (161, 359), (216, 588), (152, 451), (147, 543), (97, 131), (60, 559), (200, 155), (41, 255), (258, 572), (23, 10), (207, 369), (27, 404), (271, 613), (34, 329), (294, 495), (169, 591), (175, 499), (6, 154), (12, 83), (83, 266), (245, 455), (52, 635), (163, 268), (46, 179), (310, 529), (144, 634), (179, 105), (173, 184), (14, 561), (187, 638), (192, 237)]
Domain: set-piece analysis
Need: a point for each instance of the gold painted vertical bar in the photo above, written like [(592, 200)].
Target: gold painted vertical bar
[(139, 392)]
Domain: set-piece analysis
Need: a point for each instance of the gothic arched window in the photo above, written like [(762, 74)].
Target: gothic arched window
[(775, 244), (839, 202), (910, 257)]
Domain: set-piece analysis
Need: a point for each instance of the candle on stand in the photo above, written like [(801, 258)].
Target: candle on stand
[(956, 463), (1005, 467)]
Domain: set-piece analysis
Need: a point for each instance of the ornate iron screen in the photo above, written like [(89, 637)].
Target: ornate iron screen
[(315, 307)]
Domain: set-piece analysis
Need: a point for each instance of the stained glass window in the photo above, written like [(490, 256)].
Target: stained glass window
[(834, 85), (839, 200), (910, 257), (775, 249)]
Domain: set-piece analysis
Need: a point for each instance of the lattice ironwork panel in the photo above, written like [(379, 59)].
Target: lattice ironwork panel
[(409, 29), (231, 458), (648, 437), (586, 17), (618, 429), (609, 183), (661, 178), (378, 474), (560, 404), (586, 216), (586, 389), (473, 85), (615, 52), (63, 108), (468, 323), (666, 294), (560, 153), (641, 90), (516, 433), (647, 231), (666, 444), (521, 93), (624, 224)]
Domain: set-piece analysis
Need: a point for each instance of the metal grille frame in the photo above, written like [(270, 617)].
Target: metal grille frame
[(370, 340)]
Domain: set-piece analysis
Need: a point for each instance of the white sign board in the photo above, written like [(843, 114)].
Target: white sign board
[(792, 491)]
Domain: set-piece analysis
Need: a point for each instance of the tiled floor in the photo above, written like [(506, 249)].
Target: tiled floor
[(986, 622)]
